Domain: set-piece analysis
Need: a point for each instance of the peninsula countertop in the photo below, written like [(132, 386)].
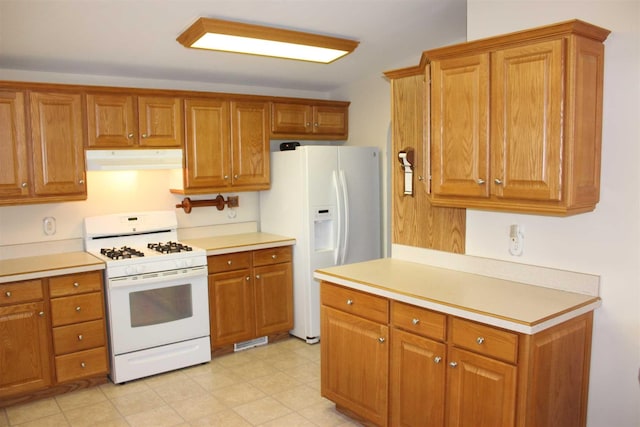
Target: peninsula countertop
[(34, 267), (239, 242), (508, 304)]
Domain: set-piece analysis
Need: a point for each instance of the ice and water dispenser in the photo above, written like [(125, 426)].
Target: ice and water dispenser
[(323, 226)]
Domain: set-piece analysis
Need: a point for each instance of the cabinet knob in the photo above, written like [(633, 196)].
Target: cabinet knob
[(83, 365), (453, 364), (81, 182), (235, 176), (41, 313), (420, 178), (76, 284), (24, 185), (497, 181), (437, 359), (274, 256), (349, 301), (480, 181), (80, 337), (258, 276), (78, 308), (381, 340), (144, 135), (130, 135), (315, 124), (480, 340), (226, 177), (229, 262), (307, 124), (415, 321), (8, 294), (248, 278)]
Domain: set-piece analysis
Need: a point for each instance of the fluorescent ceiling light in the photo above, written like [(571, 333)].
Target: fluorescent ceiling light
[(216, 34)]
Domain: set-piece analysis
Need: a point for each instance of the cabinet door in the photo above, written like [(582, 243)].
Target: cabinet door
[(250, 145), (329, 120), (481, 392), (291, 118), (160, 120), (58, 148), (207, 147), (415, 221), (355, 364), (274, 298), (460, 126), (417, 380), (111, 121), (231, 305), (14, 165), (25, 352), (526, 121)]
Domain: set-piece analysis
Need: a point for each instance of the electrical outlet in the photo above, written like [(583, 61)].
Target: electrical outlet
[(49, 226), (516, 240)]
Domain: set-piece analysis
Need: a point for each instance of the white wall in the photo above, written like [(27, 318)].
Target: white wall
[(605, 242)]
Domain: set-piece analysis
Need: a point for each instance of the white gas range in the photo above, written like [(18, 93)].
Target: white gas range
[(156, 293)]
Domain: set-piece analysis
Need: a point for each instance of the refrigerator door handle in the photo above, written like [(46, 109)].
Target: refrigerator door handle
[(336, 187), (345, 216)]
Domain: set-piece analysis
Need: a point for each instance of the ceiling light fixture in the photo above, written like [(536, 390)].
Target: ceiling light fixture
[(216, 34)]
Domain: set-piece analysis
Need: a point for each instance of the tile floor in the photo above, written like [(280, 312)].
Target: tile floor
[(274, 385)]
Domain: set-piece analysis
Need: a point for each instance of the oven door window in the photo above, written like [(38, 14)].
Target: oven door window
[(160, 305)]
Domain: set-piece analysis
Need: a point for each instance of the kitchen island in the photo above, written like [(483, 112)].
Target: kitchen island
[(404, 343)]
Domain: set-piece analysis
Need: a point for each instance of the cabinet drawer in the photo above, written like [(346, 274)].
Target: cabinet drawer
[(361, 304), (418, 320), (83, 364), (272, 256), (78, 308), (73, 284), (77, 337), (228, 262), (484, 339), (18, 292)]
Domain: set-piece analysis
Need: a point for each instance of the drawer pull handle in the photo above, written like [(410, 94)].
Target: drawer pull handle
[(8, 294), (480, 340), (415, 321), (78, 308), (80, 337), (274, 256), (437, 359), (76, 284), (349, 301), (453, 364), (381, 340), (83, 365), (229, 262), (41, 313)]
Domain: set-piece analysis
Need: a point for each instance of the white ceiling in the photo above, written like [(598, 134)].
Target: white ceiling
[(136, 38)]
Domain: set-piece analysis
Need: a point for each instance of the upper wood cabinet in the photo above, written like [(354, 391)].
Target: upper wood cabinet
[(226, 147), (415, 222), (516, 120), (42, 146), (128, 121), (329, 120)]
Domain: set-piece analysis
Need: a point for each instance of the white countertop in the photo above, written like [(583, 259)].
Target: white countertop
[(508, 304), (35, 267), (239, 242)]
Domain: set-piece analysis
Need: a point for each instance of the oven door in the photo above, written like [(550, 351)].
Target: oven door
[(151, 310)]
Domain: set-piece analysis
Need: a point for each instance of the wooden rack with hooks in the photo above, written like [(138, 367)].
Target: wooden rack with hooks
[(219, 202)]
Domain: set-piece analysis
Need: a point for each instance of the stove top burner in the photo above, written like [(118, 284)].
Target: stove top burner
[(169, 247), (121, 253)]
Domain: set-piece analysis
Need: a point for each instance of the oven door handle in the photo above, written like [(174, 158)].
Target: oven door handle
[(158, 277)]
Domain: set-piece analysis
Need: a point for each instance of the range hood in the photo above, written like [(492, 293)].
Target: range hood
[(113, 160)]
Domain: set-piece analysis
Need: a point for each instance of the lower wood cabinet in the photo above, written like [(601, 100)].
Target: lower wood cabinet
[(391, 363), (52, 331), (24, 339), (250, 295)]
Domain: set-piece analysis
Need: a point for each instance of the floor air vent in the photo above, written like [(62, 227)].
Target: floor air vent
[(250, 344)]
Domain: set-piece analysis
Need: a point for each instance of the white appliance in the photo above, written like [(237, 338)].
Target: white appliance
[(328, 199), (156, 293)]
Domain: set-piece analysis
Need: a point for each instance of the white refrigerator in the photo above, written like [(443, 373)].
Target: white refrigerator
[(328, 199)]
